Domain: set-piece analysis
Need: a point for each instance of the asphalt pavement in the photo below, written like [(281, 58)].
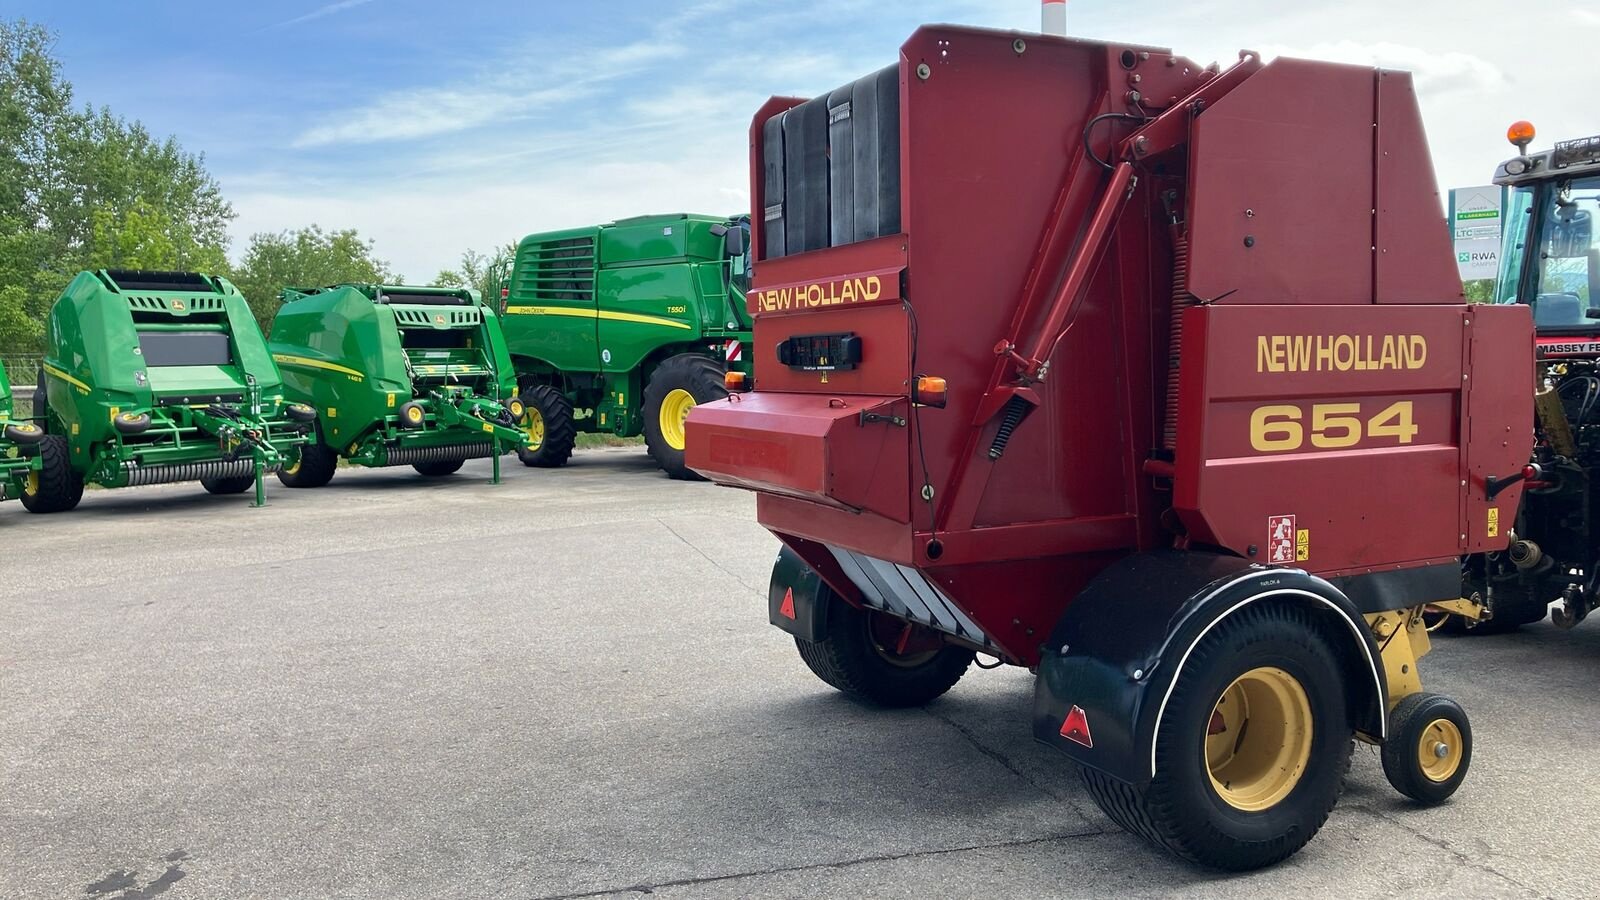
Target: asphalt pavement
[(565, 686)]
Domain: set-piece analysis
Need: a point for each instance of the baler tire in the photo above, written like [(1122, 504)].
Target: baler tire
[(703, 379), (560, 435), (439, 468), (1181, 809), (313, 469), (58, 488), (237, 484), (25, 434), (1427, 781), (847, 660)]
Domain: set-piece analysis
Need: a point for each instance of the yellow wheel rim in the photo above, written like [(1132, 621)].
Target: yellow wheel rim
[(1258, 739), (31, 486), (674, 410), (1439, 750), (414, 414), (293, 468), (533, 423)]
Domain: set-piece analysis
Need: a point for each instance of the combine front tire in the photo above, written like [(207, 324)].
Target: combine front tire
[(54, 487), (883, 660), (1251, 751), (677, 386), (547, 419), (440, 468), (224, 486), (1429, 748)]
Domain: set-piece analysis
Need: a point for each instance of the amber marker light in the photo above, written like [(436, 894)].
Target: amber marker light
[(1521, 134), (931, 391)]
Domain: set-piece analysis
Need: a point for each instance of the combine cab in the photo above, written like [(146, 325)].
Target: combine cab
[(1550, 261), (154, 377), (400, 376), (1112, 366), (19, 448)]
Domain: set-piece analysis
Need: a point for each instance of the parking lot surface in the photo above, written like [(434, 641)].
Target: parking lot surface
[(565, 686)]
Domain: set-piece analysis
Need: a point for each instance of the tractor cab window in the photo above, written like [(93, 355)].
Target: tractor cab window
[(1518, 221), (1567, 280)]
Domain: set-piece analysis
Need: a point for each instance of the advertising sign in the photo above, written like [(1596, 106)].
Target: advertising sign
[(1475, 217)]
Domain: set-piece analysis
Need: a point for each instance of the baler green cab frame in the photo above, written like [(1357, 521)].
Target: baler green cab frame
[(399, 375), (158, 377)]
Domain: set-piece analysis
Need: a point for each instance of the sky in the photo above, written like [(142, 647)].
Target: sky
[(434, 127)]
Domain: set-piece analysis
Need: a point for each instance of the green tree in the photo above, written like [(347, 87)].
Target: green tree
[(308, 257), (86, 189), (484, 273)]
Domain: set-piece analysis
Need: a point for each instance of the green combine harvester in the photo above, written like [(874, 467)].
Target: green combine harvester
[(157, 377), (623, 328), (19, 447), (399, 375)]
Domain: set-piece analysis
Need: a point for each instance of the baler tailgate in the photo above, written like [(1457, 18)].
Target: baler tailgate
[(844, 451)]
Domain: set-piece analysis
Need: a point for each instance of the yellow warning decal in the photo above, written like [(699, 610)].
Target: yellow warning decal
[(1494, 521), (1302, 545), (487, 428)]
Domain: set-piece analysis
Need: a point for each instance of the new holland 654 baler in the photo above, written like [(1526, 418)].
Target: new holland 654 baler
[(1153, 378)]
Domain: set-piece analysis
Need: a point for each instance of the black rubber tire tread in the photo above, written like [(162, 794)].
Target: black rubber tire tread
[(318, 462), (1514, 607), (440, 468), (237, 484), (405, 417), (847, 661), (1400, 765), (25, 434), (560, 434), (60, 488), (131, 424), (1165, 812), (702, 377)]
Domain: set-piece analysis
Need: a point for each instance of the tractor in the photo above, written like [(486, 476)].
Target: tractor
[(157, 377), (623, 328), (1086, 358), (1550, 262), (399, 376)]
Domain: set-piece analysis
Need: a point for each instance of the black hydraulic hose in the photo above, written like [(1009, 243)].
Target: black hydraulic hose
[(1089, 126)]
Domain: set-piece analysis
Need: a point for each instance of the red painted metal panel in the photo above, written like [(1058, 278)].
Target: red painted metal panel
[(823, 448), (1415, 262), (1332, 415), (1499, 417), (1281, 188), (885, 366)]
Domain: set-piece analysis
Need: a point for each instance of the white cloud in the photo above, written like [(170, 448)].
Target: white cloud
[(1586, 16), (320, 12), (407, 115), (507, 93)]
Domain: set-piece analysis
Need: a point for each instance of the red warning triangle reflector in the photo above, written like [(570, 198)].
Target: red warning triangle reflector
[(1076, 727), (786, 608)]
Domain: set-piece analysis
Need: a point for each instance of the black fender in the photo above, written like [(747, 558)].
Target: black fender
[(1117, 651), (798, 598)]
